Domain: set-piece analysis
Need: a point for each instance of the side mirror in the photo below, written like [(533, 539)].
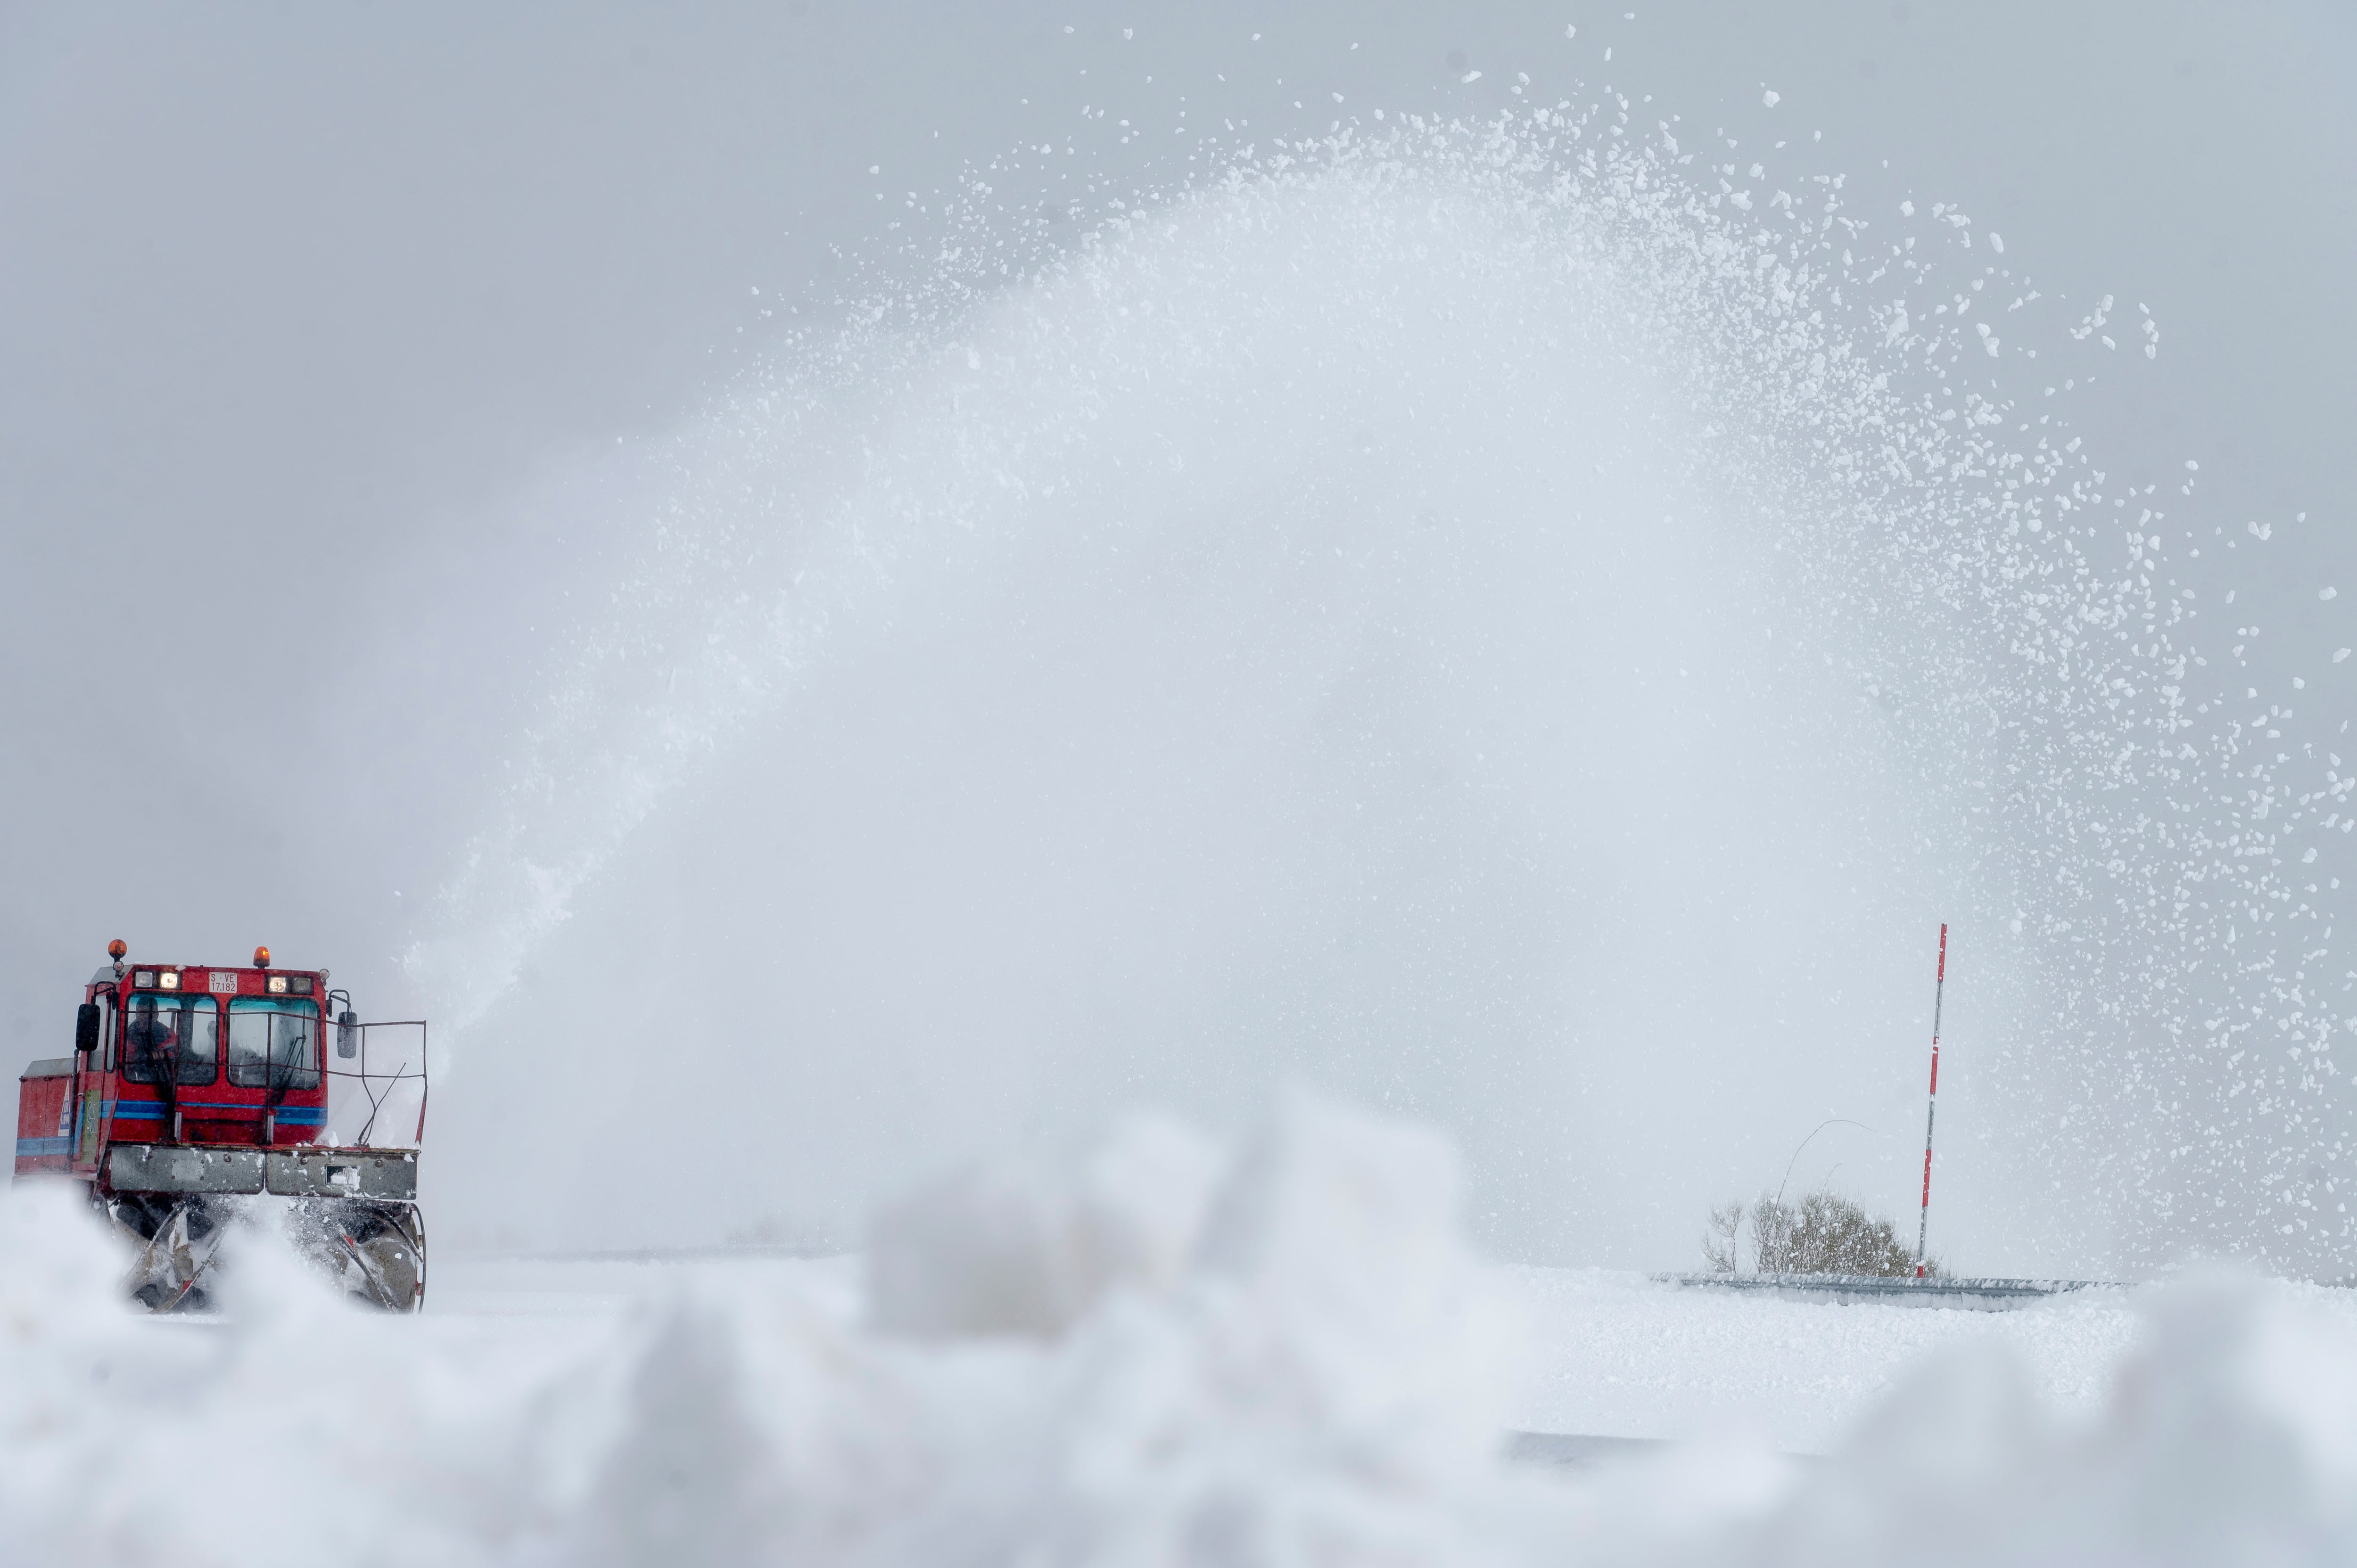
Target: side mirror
[(347, 1033), (86, 1022)]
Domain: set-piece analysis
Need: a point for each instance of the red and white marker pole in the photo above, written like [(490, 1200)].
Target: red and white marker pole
[(1931, 1114)]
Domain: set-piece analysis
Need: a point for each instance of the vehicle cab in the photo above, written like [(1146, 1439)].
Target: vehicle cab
[(196, 1089), (181, 1055)]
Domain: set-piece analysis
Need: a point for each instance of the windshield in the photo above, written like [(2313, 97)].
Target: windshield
[(158, 1029), (273, 1044)]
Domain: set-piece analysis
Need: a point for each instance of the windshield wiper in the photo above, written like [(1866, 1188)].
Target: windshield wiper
[(277, 1089)]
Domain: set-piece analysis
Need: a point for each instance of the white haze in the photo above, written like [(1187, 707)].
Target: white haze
[(1285, 646), (1471, 618)]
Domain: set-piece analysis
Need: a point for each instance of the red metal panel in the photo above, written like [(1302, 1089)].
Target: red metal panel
[(44, 1123)]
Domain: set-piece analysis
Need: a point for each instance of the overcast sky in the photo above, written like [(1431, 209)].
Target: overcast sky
[(319, 327)]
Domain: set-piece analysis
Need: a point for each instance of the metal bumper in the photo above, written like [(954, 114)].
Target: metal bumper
[(314, 1172), (306, 1172)]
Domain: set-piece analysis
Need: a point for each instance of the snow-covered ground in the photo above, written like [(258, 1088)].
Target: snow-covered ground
[(1611, 1353), (1617, 1354), (1174, 1356), (536, 1289)]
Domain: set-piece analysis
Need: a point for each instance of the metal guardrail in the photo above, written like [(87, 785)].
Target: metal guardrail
[(1982, 1294)]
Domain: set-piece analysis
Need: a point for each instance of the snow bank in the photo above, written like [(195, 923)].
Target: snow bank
[(1173, 1358), (1001, 1249), (2233, 1439)]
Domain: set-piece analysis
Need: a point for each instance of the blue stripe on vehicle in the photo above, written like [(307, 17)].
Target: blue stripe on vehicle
[(152, 1111), (41, 1148)]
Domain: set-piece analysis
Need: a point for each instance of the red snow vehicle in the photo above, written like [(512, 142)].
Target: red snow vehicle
[(197, 1093)]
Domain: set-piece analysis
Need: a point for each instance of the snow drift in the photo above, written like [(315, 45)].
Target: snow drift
[(1295, 1360)]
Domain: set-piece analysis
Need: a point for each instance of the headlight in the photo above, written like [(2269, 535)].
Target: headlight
[(277, 985), (145, 979), (169, 981)]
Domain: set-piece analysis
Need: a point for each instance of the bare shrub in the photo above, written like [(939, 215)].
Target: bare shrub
[(1821, 1233), (1722, 1236)]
